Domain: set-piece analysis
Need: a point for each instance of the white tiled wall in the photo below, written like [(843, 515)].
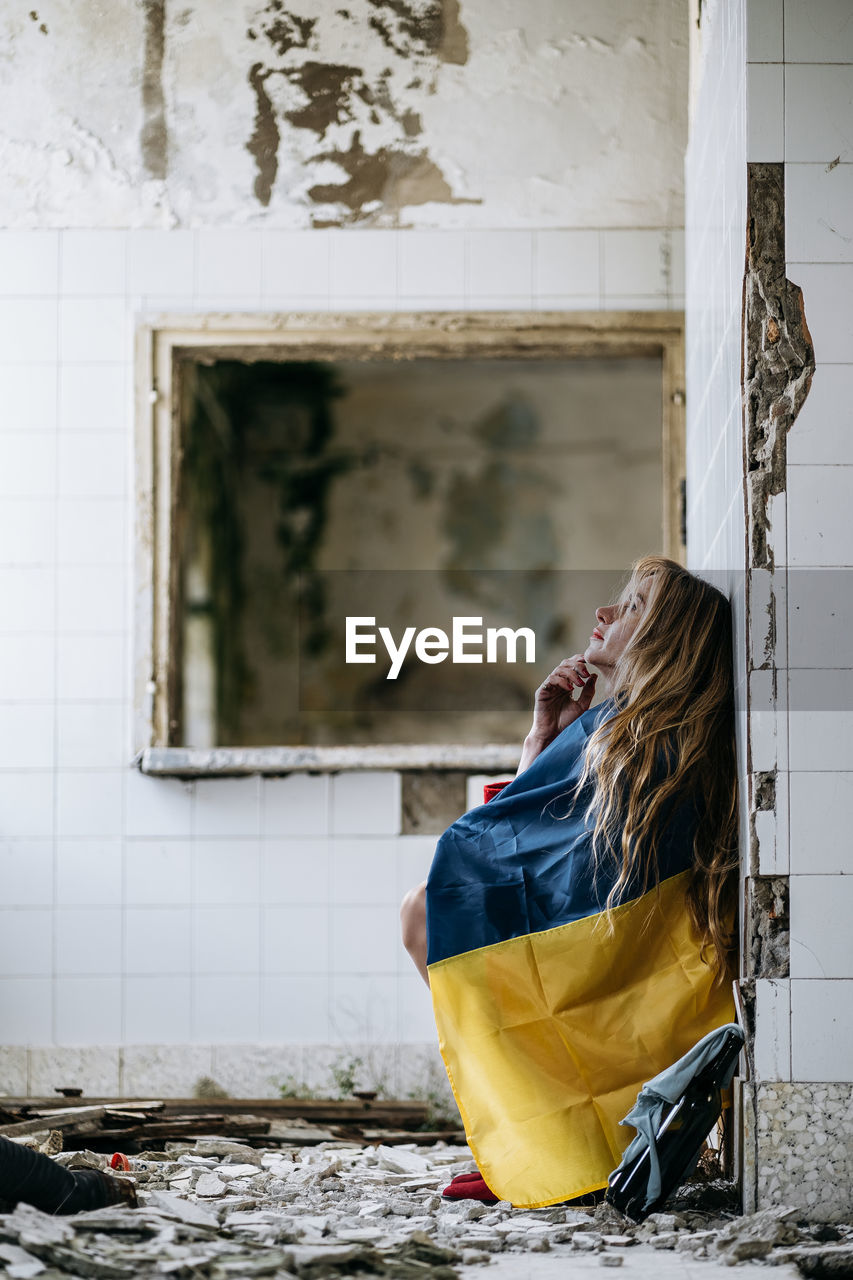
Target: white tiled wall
[(136, 910), (818, 155), (794, 106), (715, 232), (716, 220)]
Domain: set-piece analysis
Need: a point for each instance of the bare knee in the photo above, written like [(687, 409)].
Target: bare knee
[(413, 918)]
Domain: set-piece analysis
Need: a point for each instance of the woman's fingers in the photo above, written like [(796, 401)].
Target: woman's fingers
[(560, 679), (574, 669), (587, 694)]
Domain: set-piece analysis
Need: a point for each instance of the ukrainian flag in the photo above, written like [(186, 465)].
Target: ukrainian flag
[(549, 1023)]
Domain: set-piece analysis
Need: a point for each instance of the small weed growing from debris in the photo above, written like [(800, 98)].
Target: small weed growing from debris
[(206, 1087), (344, 1071), (290, 1086)]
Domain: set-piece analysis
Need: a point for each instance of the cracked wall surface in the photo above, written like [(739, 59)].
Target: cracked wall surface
[(369, 113), (779, 357), (778, 367)]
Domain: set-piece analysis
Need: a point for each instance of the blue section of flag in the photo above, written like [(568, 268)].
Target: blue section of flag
[(523, 862)]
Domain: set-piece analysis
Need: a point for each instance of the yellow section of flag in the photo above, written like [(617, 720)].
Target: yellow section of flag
[(548, 1038)]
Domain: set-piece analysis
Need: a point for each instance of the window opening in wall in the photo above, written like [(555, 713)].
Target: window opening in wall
[(307, 487)]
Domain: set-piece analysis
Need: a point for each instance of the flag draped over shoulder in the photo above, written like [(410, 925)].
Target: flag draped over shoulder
[(548, 1022)]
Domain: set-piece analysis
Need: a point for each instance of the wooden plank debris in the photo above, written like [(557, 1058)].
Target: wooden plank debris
[(123, 1123), (386, 1112), (61, 1118)]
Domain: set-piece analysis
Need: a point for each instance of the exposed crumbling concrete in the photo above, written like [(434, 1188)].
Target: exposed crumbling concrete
[(778, 366), (779, 357), (432, 799), (768, 955)]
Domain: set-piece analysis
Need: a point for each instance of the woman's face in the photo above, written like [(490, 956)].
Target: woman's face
[(615, 625)]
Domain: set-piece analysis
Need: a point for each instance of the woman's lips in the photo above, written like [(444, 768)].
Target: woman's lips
[(596, 635)]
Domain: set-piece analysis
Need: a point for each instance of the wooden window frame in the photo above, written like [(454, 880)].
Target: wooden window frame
[(164, 342)]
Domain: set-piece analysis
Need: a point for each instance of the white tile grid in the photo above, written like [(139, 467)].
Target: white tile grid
[(567, 265), (765, 113), (295, 264), (29, 263), (88, 873), (226, 807), (157, 872), (715, 165), (818, 31), (94, 263), (157, 940), (26, 735), (363, 1009), (27, 532), (764, 30), (226, 1008), (821, 939), (818, 112), (91, 735), (26, 873), (768, 722), (823, 431), (226, 871), (88, 941), (27, 464), (820, 722), (297, 805), (819, 213), (820, 808), (29, 394), (772, 1041), (92, 398), (771, 831), (364, 871), (820, 533), (820, 618), (821, 1029), (93, 531), (26, 1010), (295, 870), (826, 290), (365, 803)]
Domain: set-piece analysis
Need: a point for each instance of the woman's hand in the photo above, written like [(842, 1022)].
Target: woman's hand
[(555, 705)]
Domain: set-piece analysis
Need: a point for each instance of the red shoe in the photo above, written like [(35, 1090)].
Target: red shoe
[(472, 1188)]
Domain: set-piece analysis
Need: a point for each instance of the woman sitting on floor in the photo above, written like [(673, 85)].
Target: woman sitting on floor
[(577, 931)]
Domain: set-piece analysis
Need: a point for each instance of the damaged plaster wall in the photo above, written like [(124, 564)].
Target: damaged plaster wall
[(779, 357), (173, 157), (370, 112), (779, 365), (777, 535)]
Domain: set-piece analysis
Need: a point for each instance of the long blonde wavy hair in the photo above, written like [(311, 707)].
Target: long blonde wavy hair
[(671, 739)]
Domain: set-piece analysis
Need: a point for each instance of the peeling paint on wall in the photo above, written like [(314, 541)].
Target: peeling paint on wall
[(263, 144), (154, 139), (375, 113), (358, 109)]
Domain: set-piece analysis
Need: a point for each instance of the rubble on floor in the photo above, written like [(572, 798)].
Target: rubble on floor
[(221, 1209)]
